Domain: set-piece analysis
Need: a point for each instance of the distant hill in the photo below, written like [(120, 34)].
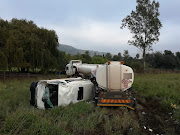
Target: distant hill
[(73, 51)]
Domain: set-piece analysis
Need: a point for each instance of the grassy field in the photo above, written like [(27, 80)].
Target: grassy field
[(154, 113)]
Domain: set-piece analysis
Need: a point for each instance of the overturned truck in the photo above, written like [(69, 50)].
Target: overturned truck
[(109, 84), (60, 92), (113, 81)]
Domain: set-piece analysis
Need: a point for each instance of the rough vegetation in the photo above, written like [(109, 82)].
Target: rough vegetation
[(157, 111)]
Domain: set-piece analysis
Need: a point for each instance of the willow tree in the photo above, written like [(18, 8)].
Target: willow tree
[(144, 24)]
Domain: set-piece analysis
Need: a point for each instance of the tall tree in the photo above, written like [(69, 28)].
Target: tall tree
[(24, 45), (126, 54), (178, 60), (87, 57), (144, 24), (169, 59), (108, 56), (137, 56)]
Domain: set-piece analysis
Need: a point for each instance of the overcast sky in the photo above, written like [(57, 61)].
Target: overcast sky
[(94, 24)]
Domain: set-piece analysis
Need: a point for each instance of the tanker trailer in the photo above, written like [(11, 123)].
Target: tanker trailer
[(113, 82), (77, 68)]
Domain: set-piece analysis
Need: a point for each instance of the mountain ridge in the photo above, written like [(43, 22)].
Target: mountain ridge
[(73, 51)]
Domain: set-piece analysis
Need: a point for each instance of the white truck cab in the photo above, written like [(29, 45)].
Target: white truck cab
[(61, 91), (71, 68)]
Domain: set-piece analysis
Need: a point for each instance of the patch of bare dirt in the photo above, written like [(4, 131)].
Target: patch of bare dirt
[(153, 119)]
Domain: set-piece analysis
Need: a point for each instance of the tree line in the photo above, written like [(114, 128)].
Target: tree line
[(25, 46), (155, 60)]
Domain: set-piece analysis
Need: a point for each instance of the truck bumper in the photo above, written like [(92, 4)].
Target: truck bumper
[(126, 99), (116, 105)]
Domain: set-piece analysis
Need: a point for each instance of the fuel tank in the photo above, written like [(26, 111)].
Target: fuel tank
[(114, 76)]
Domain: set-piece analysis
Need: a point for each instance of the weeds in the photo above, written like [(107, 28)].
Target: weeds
[(161, 86), (18, 117)]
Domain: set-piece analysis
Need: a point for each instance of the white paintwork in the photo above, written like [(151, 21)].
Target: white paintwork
[(71, 67), (110, 76), (67, 90), (86, 69)]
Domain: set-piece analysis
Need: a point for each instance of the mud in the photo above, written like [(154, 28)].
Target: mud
[(151, 115)]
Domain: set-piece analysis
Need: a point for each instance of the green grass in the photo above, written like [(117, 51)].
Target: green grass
[(165, 87), (18, 117)]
